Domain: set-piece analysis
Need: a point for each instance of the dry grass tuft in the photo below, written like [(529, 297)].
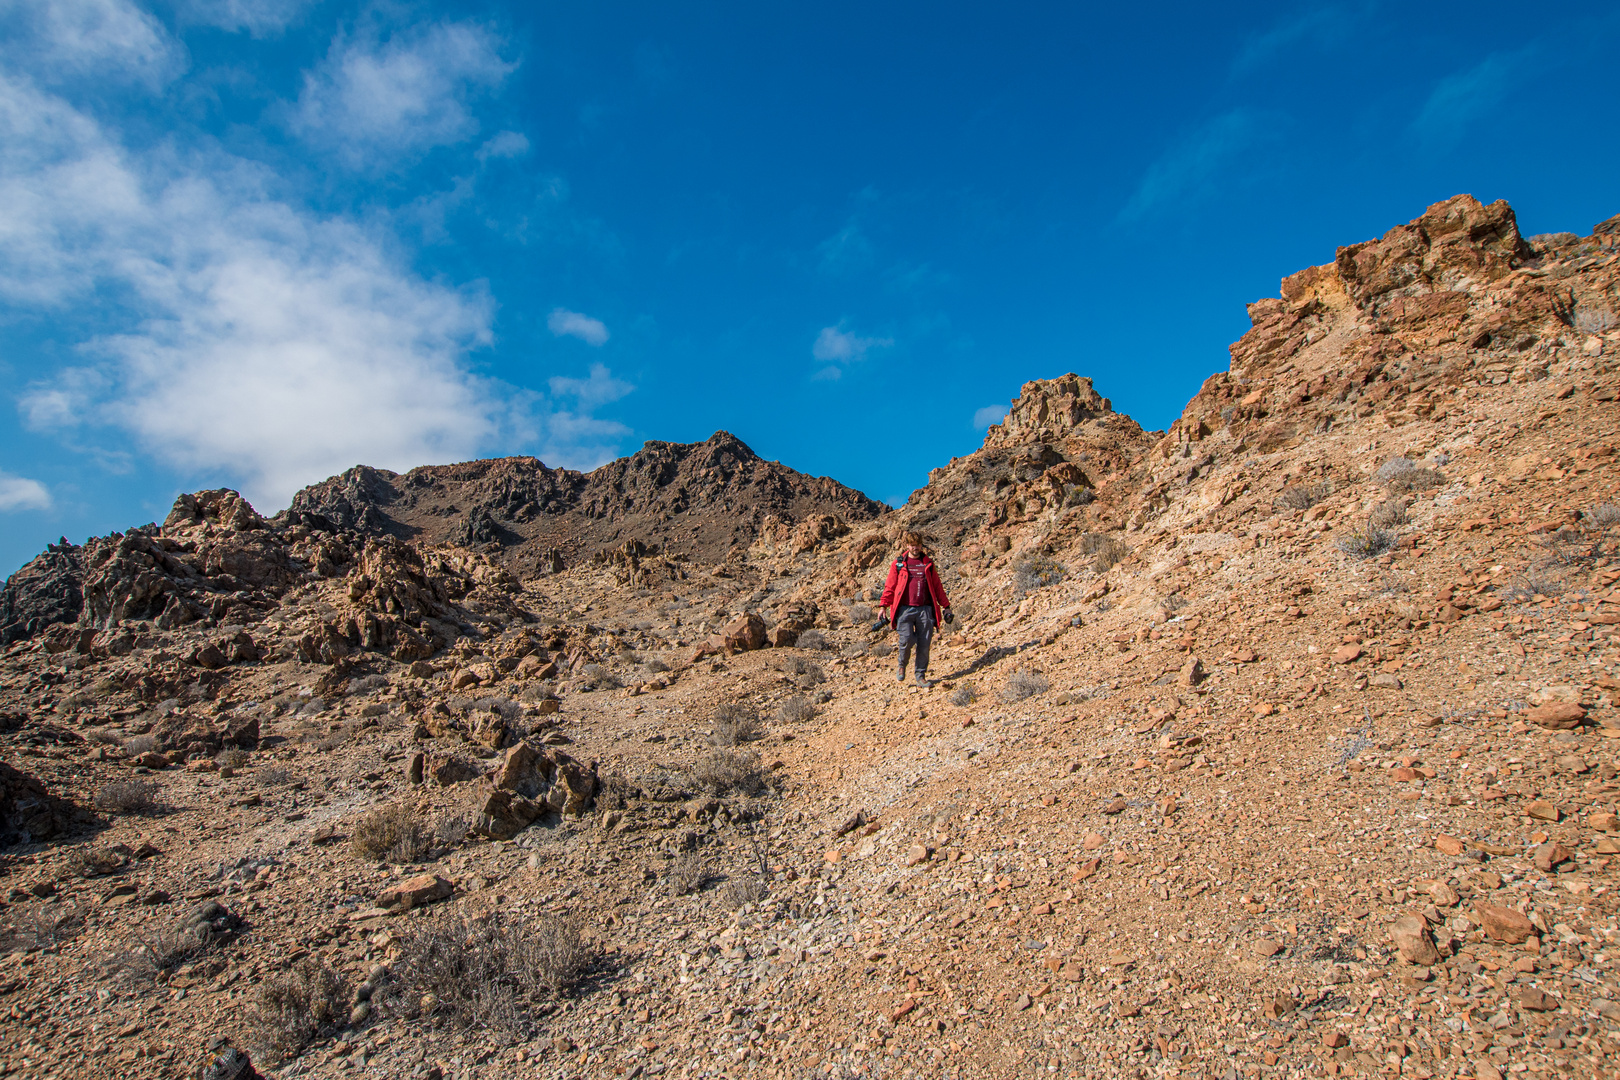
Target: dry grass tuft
[(393, 832), (685, 875), (1304, 496), (1023, 684), (724, 771), (129, 797), (1368, 543), (1388, 515), (747, 888), (966, 694), (811, 639), (487, 973), (1106, 550), (1036, 571), (1603, 516), (295, 1006), (796, 710), (735, 722)]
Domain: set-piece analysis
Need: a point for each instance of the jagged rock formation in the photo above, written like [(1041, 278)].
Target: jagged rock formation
[(47, 591), (699, 500)]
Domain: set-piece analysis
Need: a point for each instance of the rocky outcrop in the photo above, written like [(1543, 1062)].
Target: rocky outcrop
[(535, 780), (30, 813), (697, 500), (47, 591)]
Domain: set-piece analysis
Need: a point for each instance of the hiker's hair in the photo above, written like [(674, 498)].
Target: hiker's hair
[(909, 540)]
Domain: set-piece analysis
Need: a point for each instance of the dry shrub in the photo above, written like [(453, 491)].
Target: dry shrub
[(1036, 571), (273, 776), (1603, 516), (1304, 496), (745, 889), (1403, 475), (1368, 543), (1388, 515), (1594, 320), (724, 771), (96, 861), (860, 614), (295, 1006), (796, 710), (1106, 550), (136, 745), (811, 639), (392, 831), (128, 797), (598, 677), (735, 722), (966, 694), (488, 972), (232, 757), (685, 875), (1023, 684)]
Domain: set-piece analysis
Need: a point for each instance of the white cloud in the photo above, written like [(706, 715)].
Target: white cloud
[(565, 323), (504, 144), (101, 38), (837, 345), (272, 345), (574, 437), (20, 493), (371, 102), (830, 373), (990, 414), (261, 18)]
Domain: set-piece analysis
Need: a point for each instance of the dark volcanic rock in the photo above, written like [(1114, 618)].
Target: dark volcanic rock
[(49, 590), (30, 813), (694, 499)]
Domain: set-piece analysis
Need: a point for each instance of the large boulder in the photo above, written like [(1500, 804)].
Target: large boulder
[(535, 780), (47, 591)]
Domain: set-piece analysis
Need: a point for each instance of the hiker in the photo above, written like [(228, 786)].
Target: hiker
[(915, 602)]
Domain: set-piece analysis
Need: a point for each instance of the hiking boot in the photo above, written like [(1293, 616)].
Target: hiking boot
[(922, 680), (902, 675)]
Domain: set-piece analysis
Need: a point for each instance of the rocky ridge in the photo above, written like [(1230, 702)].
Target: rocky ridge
[(1282, 744)]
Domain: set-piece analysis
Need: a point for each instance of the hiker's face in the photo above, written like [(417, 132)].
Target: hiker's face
[(914, 552)]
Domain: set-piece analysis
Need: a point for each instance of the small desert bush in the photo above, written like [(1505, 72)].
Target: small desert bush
[(1079, 496), (724, 771), (393, 832), (294, 1006), (1402, 475), (811, 639), (745, 889), (273, 776), (735, 722), (96, 861), (685, 874), (1595, 320), (367, 683), (128, 797), (796, 710), (1367, 543), (1603, 516), (490, 972), (799, 665), (1106, 550), (231, 757), (966, 694), (1023, 684), (1388, 515), (598, 677), (506, 708), (860, 614), (1036, 571), (136, 745), (1304, 496)]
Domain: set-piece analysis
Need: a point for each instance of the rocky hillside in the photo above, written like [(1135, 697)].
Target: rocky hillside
[(1281, 745), (697, 500)]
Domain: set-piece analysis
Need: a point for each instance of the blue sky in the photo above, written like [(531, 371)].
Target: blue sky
[(250, 243)]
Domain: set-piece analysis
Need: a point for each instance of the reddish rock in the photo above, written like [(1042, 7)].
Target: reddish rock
[(1549, 855), (1557, 715), (415, 892), (1410, 936), (1503, 924)]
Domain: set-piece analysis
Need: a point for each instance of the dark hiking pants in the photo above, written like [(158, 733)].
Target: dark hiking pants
[(916, 627)]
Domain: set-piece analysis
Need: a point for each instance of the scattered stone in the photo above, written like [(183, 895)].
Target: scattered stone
[(1503, 924), (1410, 935), (1557, 716), (415, 892)]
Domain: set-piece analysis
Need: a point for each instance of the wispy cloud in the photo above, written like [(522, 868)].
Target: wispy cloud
[(20, 493), (565, 323), (1198, 162), (990, 414), (260, 18), (846, 250), (104, 39), (504, 144), (839, 346), (1464, 97), (574, 436), (371, 101), (1308, 29)]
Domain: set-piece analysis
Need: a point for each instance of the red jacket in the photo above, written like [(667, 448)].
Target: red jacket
[(894, 590)]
